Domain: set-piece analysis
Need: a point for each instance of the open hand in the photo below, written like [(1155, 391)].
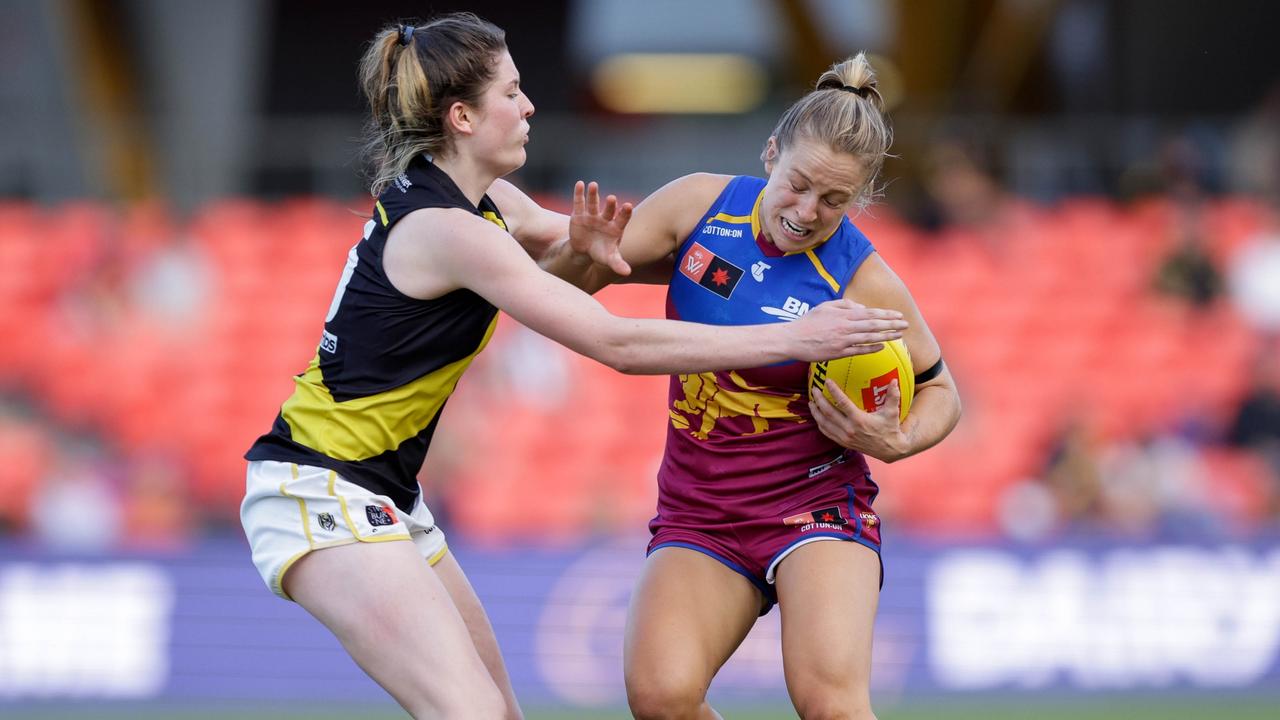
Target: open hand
[(842, 328), (594, 231)]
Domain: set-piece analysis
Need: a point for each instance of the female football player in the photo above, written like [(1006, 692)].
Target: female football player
[(332, 508), (764, 495)]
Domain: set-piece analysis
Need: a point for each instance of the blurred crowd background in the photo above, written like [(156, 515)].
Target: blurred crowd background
[(1085, 201)]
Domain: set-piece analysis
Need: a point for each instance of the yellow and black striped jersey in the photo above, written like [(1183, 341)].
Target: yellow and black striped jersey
[(368, 403)]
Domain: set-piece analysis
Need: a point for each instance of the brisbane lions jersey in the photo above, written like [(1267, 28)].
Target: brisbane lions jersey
[(742, 443)]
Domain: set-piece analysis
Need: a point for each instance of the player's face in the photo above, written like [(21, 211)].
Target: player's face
[(811, 188), (502, 128)]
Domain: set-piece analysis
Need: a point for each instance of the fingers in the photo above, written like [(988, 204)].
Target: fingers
[(624, 214), (865, 349), (892, 400), (618, 265), (839, 400), (579, 206), (610, 208), (593, 198)]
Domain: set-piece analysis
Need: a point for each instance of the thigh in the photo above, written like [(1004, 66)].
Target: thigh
[(478, 626), (828, 593), (688, 613), (396, 618)]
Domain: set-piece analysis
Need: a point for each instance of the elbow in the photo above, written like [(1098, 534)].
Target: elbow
[(621, 361), (617, 353)]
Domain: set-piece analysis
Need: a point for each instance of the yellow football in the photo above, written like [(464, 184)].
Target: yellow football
[(866, 378)]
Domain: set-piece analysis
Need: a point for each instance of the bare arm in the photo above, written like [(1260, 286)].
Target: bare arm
[(936, 407), (655, 230), (564, 245), (433, 251)]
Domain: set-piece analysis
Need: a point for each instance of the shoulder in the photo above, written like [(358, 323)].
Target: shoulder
[(511, 200), (691, 194), (701, 185), (439, 223)]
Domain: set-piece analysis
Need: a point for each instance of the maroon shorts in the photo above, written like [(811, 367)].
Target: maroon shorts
[(754, 547)]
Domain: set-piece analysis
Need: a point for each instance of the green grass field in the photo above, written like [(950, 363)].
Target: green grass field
[(1124, 708)]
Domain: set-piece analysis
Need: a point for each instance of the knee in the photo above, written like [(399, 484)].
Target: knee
[(833, 701), (833, 711), (663, 696)]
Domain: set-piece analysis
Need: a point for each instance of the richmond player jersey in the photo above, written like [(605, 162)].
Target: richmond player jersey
[(742, 443), (368, 403)]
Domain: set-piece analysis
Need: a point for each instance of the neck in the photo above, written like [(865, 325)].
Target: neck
[(470, 178)]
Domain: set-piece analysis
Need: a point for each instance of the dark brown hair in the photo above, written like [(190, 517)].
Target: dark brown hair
[(411, 74)]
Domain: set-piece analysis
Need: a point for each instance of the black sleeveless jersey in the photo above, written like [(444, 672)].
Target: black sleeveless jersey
[(368, 404)]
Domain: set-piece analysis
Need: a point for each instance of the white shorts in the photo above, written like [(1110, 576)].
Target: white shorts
[(290, 510)]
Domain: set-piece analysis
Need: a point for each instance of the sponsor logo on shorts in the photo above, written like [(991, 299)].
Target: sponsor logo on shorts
[(380, 515), (326, 521), (840, 459), (826, 518)]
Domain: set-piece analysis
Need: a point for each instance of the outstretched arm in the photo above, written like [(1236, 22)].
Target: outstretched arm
[(566, 245), (431, 252), (650, 239)]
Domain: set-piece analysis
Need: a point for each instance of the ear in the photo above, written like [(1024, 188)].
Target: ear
[(460, 118), (770, 154)]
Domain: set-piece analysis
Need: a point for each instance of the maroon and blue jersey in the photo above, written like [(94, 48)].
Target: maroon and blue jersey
[(742, 447)]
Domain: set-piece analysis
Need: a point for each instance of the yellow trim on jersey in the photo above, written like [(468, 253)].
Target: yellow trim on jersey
[(382, 212), (753, 218), (726, 217), (368, 426), (438, 556), (493, 218), (817, 265)]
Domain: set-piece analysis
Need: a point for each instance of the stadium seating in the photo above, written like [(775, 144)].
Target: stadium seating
[(1053, 320)]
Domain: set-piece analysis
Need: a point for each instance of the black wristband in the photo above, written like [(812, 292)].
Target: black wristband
[(931, 373)]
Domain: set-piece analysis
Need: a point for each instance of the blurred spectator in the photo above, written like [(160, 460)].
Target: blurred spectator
[(25, 453), (77, 505), (1152, 486), (962, 188), (1254, 278), (156, 502), (1067, 496), (1256, 425), (1189, 272), (1256, 150), (171, 284)]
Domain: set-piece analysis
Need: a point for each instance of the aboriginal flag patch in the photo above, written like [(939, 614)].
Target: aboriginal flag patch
[(711, 272)]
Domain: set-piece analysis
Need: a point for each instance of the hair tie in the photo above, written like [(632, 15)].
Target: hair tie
[(859, 91), (406, 34)]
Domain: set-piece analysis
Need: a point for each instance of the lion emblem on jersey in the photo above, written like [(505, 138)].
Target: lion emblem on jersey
[(706, 396)]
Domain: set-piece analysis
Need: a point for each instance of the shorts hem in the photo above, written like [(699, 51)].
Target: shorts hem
[(762, 587)]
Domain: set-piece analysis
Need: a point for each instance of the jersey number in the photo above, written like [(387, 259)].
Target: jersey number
[(347, 272)]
